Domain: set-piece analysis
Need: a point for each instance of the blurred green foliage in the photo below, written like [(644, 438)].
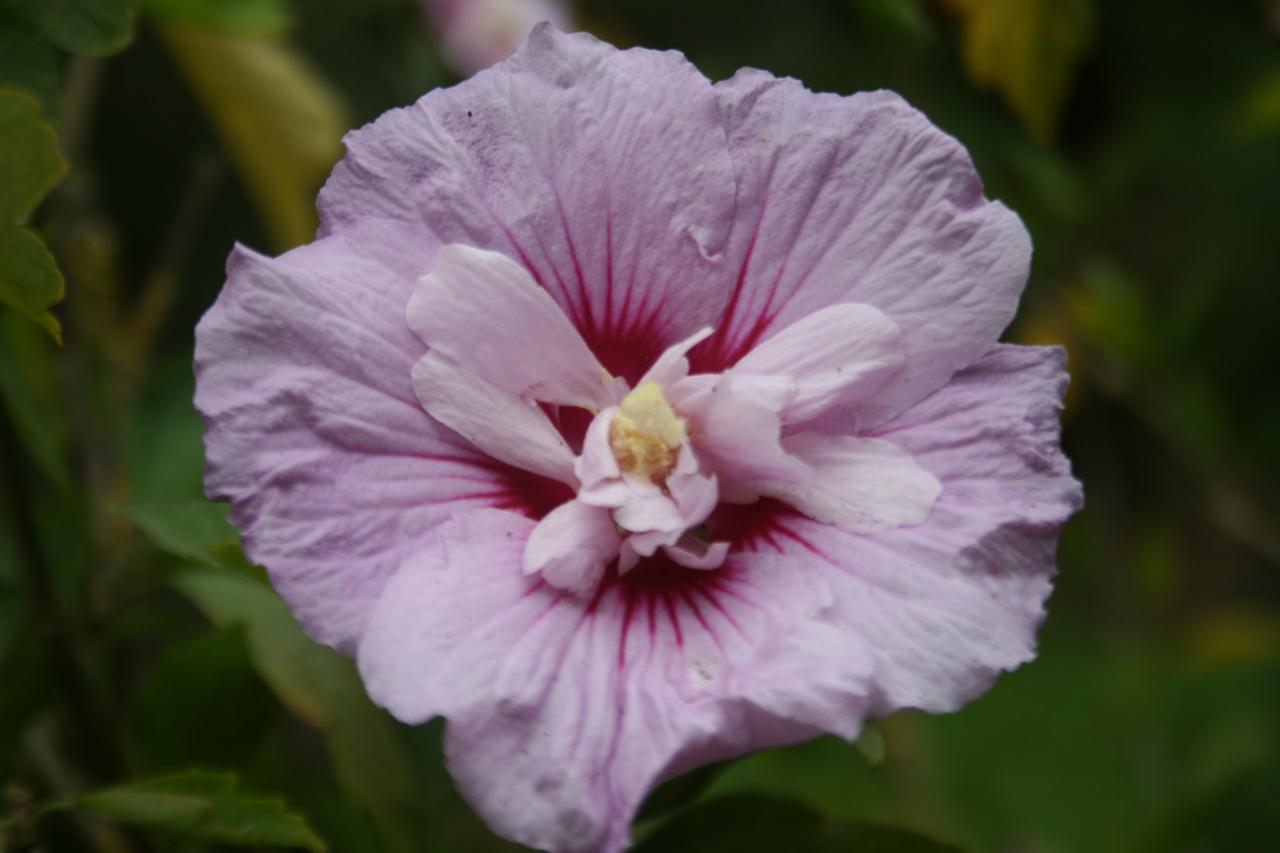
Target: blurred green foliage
[(156, 695), (30, 166)]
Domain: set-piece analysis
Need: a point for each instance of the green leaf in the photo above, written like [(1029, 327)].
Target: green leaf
[(203, 703), (314, 682), (747, 823), (320, 686), (902, 18), (743, 822), (988, 758), (28, 386), (1027, 49), (876, 838), (28, 61), (676, 793), (192, 530), (871, 743), (91, 27), (29, 279), (206, 806), (30, 164), (828, 774), (164, 452), (234, 17)]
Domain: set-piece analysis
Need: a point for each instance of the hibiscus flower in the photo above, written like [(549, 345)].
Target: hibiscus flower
[(632, 422)]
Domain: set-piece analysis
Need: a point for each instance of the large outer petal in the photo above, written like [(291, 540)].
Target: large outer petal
[(861, 199), (605, 173), (943, 607), (563, 714), (334, 471)]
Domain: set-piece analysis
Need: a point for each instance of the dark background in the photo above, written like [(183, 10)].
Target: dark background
[(1140, 142)]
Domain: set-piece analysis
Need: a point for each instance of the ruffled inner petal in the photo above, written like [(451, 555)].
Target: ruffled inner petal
[(500, 423), (672, 365), (737, 433), (643, 513), (843, 353), (486, 314), (571, 547), (596, 466), (862, 485), (696, 495)]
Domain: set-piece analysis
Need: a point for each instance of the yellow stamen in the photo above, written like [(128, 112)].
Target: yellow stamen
[(646, 434)]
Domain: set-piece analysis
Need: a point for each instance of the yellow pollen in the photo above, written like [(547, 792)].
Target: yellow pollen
[(646, 434)]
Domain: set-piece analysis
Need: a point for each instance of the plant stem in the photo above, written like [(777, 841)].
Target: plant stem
[(95, 737)]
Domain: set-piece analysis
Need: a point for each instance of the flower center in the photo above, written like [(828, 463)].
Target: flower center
[(646, 433)]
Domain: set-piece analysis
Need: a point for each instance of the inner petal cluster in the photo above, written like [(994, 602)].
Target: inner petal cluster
[(656, 460), (638, 464)]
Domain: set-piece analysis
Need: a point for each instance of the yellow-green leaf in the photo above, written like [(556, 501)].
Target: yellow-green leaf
[(1028, 50), (279, 119), (240, 17), (30, 164), (193, 530)]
